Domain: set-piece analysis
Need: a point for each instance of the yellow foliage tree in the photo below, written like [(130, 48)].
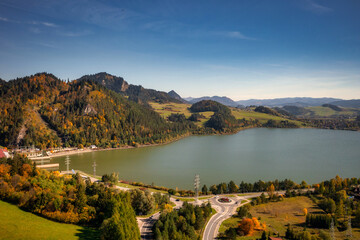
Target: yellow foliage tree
[(305, 211), (270, 191), (167, 208)]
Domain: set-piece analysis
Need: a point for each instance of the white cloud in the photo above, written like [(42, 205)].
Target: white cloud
[(235, 35), (4, 19), (74, 33), (46, 24), (311, 5)]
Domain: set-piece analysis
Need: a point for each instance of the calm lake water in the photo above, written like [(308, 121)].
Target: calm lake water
[(312, 155)]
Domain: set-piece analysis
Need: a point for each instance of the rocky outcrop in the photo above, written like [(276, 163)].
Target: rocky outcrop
[(89, 110)]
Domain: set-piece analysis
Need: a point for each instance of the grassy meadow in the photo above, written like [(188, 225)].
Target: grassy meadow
[(166, 109), (277, 215), (327, 112)]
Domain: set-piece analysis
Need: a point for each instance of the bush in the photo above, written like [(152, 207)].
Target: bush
[(112, 178)]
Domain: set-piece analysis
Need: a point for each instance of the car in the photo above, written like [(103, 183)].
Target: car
[(177, 200)]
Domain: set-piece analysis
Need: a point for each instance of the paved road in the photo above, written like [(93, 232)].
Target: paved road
[(146, 224), (224, 211)]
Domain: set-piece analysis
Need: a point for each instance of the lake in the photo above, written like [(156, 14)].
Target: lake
[(312, 155)]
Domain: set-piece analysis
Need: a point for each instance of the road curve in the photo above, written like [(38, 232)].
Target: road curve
[(224, 211)]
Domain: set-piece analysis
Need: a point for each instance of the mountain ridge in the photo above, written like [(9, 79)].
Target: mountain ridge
[(223, 100), (290, 101), (136, 93)]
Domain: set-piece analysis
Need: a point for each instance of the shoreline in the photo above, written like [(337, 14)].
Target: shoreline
[(88, 150)]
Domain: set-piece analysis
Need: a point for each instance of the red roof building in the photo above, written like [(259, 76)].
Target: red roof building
[(4, 153)]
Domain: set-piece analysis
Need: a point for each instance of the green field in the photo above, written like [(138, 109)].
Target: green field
[(18, 224), (262, 117), (328, 112), (166, 109), (276, 216)]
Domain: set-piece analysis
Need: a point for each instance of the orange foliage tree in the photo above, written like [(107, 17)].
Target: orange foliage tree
[(247, 226)]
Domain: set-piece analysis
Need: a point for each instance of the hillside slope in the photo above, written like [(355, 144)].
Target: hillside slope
[(43, 111)]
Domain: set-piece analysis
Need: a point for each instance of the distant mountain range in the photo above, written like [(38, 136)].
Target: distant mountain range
[(354, 103), (296, 101), (223, 100), (280, 102)]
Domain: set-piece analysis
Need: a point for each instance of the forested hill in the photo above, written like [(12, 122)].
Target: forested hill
[(135, 93), (44, 111), (222, 120), (174, 94)]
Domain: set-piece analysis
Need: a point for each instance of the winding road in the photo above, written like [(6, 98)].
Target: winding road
[(223, 211)]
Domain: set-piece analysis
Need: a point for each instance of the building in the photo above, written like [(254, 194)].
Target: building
[(4, 153)]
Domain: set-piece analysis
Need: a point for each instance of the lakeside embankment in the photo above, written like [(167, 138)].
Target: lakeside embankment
[(87, 150)]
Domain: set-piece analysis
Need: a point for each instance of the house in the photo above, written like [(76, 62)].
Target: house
[(4, 153)]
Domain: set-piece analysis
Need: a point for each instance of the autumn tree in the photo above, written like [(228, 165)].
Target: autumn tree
[(305, 211), (247, 226), (270, 191)]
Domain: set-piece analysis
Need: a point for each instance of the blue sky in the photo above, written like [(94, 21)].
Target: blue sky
[(240, 49)]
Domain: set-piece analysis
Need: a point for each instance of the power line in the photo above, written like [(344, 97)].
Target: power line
[(67, 162), (197, 185), (94, 166)]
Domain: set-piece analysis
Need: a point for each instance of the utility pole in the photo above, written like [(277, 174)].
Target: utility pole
[(197, 185), (332, 229), (94, 166), (67, 162), (349, 230)]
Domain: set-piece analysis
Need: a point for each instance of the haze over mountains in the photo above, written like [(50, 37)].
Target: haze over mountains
[(280, 102)]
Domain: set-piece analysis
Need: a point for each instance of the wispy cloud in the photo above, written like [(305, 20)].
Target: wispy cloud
[(35, 30), (187, 31), (238, 35), (41, 23), (46, 24), (234, 35), (311, 5), (74, 33), (4, 19)]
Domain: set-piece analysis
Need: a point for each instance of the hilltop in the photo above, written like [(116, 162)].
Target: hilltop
[(223, 100), (133, 92), (176, 96)]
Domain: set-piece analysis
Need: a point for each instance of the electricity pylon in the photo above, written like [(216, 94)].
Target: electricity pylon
[(197, 185), (67, 162)]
